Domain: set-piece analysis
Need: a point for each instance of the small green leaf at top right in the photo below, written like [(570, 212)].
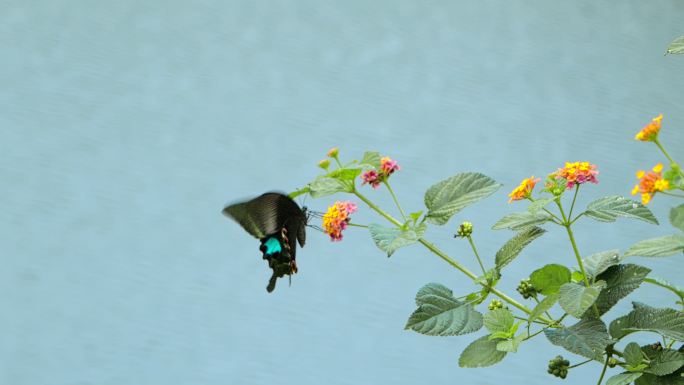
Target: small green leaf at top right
[(677, 217), (677, 46)]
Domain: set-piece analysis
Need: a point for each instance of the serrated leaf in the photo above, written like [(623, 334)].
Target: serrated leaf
[(511, 345), (550, 278), (658, 247), (651, 379), (515, 245), (607, 209), (677, 46), (575, 299), (416, 215), (620, 281), (666, 322), (677, 217), (521, 221), (324, 186), (450, 196), (665, 362), (371, 159), (596, 264), (440, 314), (480, 353), (632, 354), (539, 204), (498, 320), (544, 305), (587, 338), (623, 378), (389, 239), (667, 285)]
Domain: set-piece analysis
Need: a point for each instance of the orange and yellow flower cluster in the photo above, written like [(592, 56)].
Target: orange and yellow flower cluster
[(524, 190), (387, 167), (335, 220), (577, 173), (650, 183), (650, 132)]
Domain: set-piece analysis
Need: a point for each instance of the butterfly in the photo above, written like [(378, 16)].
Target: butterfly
[(279, 224)]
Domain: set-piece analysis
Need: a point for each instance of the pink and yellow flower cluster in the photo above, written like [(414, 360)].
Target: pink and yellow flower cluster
[(650, 183), (335, 220), (650, 132), (524, 190), (577, 173), (387, 167)]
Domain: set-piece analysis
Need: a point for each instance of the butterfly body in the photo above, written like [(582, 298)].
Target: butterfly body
[(279, 224)]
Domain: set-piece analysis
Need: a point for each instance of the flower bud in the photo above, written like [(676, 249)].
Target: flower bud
[(324, 164), (333, 152), (465, 230), (495, 304), (526, 289)]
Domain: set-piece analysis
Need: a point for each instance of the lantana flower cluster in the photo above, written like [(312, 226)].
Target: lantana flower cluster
[(577, 173), (336, 219), (374, 177), (524, 190), (650, 132), (650, 182)]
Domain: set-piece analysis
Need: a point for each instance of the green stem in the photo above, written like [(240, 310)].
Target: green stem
[(394, 197), (603, 372), (574, 198), (356, 225), (337, 160), (671, 194), (472, 245), (660, 146), (448, 259), (534, 334), (580, 364)]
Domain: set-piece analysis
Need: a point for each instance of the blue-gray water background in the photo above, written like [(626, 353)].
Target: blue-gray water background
[(126, 126)]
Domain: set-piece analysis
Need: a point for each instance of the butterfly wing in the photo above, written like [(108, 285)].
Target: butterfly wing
[(262, 215)]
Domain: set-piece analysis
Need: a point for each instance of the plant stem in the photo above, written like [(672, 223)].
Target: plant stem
[(572, 206), (568, 228), (394, 197), (580, 364), (448, 259), (671, 194), (603, 372), (660, 146), (356, 225), (472, 245)]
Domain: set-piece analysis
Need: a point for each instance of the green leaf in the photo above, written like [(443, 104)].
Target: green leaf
[(416, 215), (298, 192), (544, 305), (515, 245), (623, 378), (667, 285), (521, 221), (596, 264), (499, 320), (450, 196), (370, 160), (620, 281), (665, 362), (632, 354), (324, 186), (671, 379), (658, 247), (677, 217), (677, 46), (607, 209), (587, 338), (511, 345), (389, 239), (480, 353), (440, 314), (550, 278), (345, 174), (575, 299), (539, 204), (666, 322)]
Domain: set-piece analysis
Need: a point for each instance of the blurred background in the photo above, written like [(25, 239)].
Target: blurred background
[(127, 126)]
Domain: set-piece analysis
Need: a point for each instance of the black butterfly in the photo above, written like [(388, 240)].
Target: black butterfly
[(278, 222)]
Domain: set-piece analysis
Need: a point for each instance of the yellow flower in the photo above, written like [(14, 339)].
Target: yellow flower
[(650, 132), (524, 190), (650, 183), (577, 173)]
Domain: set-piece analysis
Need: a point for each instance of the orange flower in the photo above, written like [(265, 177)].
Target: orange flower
[(650, 183), (577, 173), (335, 220), (650, 132), (524, 190)]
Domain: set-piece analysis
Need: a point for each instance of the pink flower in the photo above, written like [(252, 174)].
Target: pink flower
[(371, 177), (388, 166), (335, 220)]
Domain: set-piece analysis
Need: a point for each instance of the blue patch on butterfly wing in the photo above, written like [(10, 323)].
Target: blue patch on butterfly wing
[(272, 246)]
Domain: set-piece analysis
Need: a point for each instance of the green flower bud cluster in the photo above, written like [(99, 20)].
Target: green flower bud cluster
[(495, 304), (526, 289), (465, 230), (559, 367)]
